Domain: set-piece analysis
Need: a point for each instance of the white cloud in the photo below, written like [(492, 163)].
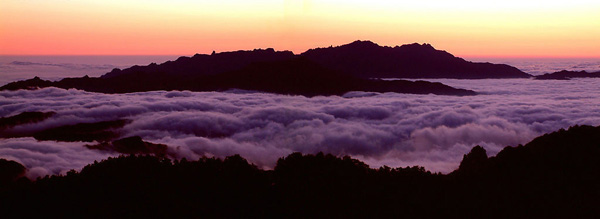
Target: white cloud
[(47, 157), (381, 129)]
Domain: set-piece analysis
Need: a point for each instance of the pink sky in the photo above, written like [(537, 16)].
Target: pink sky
[(465, 28)]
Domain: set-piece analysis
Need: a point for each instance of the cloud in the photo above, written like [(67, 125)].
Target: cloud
[(71, 66), (364, 112), (44, 158), (443, 136), (48, 70), (204, 124), (379, 128)]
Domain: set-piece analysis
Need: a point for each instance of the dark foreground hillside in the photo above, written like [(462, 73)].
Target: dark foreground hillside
[(554, 176)]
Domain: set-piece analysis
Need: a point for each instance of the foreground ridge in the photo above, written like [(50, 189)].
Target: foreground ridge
[(555, 175)]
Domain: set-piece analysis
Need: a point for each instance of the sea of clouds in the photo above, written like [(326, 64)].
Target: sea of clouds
[(391, 129)]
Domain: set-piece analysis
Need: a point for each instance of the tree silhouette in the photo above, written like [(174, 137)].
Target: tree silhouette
[(555, 175)]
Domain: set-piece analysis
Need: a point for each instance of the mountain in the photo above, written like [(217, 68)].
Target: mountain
[(556, 175), (360, 58), (369, 60), (296, 76), (566, 75), (301, 76), (202, 64), (322, 71), (569, 153), (10, 171)]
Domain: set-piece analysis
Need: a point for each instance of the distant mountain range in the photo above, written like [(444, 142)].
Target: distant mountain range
[(358, 66), (566, 75)]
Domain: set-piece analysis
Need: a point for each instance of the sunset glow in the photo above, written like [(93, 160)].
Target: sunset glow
[(184, 27)]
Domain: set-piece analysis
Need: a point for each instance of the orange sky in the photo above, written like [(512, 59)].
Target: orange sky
[(184, 27)]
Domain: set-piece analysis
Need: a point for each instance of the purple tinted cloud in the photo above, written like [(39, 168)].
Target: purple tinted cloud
[(381, 129), (46, 157)]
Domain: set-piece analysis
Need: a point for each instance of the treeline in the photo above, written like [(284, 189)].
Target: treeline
[(556, 175)]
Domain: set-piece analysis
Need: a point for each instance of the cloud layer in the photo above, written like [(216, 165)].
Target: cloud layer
[(13, 68), (381, 129)]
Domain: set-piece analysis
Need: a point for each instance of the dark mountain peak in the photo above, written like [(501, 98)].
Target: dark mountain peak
[(237, 54), (476, 156), (575, 139), (203, 64), (29, 84), (369, 60), (370, 44), (426, 46), (258, 51), (361, 43), (476, 153), (10, 171), (474, 162), (194, 56), (566, 75), (573, 152), (356, 48), (364, 49), (424, 49), (269, 50)]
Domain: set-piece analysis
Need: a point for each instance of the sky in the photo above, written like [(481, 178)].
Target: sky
[(467, 28)]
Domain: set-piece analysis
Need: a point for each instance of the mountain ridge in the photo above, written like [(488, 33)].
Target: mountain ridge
[(567, 75), (289, 79), (350, 67), (370, 60), (553, 176)]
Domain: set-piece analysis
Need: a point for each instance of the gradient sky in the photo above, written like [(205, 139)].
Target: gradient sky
[(517, 28)]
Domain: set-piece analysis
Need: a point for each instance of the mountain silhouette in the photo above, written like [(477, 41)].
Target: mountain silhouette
[(202, 64), (295, 76), (322, 71), (302, 76), (369, 60), (360, 58), (556, 175), (10, 171), (566, 75), (571, 152)]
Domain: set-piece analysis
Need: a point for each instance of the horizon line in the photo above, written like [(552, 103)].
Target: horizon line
[(189, 55)]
